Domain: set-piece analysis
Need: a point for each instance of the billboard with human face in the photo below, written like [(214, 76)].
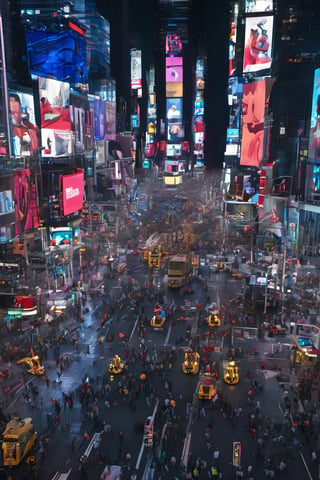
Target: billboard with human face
[(174, 109), (258, 43), (72, 187), (25, 202), (175, 130), (314, 139), (253, 107), (259, 6), (24, 131)]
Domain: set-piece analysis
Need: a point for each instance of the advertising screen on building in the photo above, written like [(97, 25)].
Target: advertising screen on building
[(173, 45), (314, 139), (175, 130), (81, 123), (174, 89), (98, 119), (174, 109), (258, 44), (72, 187), (56, 143), (253, 105), (23, 123), (174, 69), (61, 237), (25, 202), (173, 149), (54, 104), (136, 72), (60, 54), (259, 6), (6, 203)]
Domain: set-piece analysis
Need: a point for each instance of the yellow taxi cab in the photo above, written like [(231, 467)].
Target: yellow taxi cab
[(214, 319), (191, 363), (236, 274), (18, 438), (231, 375), (116, 366), (206, 388)]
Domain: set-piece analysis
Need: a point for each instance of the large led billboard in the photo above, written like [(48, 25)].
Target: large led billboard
[(55, 117), (6, 203), (54, 104), (25, 202), (175, 130), (81, 123), (258, 43), (136, 72), (174, 108), (24, 131), (259, 6), (173, 45), (60, 54), (174, 69), (314, 139), (71, 188), (253, 108), (173, 149), (234, 101)]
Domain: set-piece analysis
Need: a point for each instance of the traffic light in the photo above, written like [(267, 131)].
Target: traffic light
[(236, 457)]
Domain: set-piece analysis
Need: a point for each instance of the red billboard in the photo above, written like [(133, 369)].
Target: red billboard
[(255, 97), (26, 205), (253, 104), (71, 188)]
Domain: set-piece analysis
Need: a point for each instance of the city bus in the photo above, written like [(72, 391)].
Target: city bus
[(178, 269)]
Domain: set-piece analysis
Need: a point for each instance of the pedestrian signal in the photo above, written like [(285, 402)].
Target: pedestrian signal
[(236, 458)]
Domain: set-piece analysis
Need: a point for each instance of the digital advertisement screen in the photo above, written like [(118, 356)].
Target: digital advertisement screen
[(81, 123), (258, 44), (23, 124), (199, 107), (97, 112), (56, 143), (316, 179), (175, 131), (174, 89), (259, 6), (110, 119), (136, 72), (173, 45), (25, 202), (174, 70), (72, 187), (253, 105), (198, 126), (6, 203), (314, 139), (173, 149), (61, 237), (54, 104), (61, 54), (174, 108)]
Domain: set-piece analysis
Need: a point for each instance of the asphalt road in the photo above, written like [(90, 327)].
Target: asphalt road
[(67, 442)]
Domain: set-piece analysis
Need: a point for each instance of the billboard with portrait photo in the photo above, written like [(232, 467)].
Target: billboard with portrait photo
[(314, 139), (174, 108), (258, 43), (24, 131), (175, 130)]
